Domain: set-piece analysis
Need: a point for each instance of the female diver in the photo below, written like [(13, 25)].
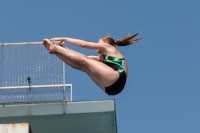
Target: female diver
[(108, 70)]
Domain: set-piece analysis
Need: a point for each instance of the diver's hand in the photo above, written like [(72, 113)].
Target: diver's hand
[(58, 39)]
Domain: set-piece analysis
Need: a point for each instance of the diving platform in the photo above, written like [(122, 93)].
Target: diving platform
[(63, 117)]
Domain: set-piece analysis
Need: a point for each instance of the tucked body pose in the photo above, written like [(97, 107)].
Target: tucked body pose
[(108, 70)]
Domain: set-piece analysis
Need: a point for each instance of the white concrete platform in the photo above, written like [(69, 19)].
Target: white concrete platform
[(15, 128), (69, 117)]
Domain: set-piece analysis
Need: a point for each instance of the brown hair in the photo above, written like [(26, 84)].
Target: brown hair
[(124, 41)]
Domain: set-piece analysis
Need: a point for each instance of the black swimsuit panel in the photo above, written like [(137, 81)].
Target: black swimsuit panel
[(116, 64)]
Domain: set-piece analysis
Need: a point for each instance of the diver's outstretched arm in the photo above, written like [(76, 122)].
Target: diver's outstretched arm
[(81, 43)]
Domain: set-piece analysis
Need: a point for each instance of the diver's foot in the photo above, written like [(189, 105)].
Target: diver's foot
[(49, 45)]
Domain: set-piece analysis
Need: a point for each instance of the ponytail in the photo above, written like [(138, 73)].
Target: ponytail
[(127, 40)]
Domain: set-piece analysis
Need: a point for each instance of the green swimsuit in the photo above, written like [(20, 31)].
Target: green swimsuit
[(116, 64)]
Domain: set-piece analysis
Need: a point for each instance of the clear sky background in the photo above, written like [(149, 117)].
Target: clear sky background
[(162, 94)]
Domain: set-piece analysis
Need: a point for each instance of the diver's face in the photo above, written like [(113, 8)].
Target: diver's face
[(101, 41)]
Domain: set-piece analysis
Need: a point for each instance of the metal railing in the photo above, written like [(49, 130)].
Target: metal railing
[(16, 94)]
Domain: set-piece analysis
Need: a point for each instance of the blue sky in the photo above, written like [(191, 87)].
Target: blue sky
[(162, 93)]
